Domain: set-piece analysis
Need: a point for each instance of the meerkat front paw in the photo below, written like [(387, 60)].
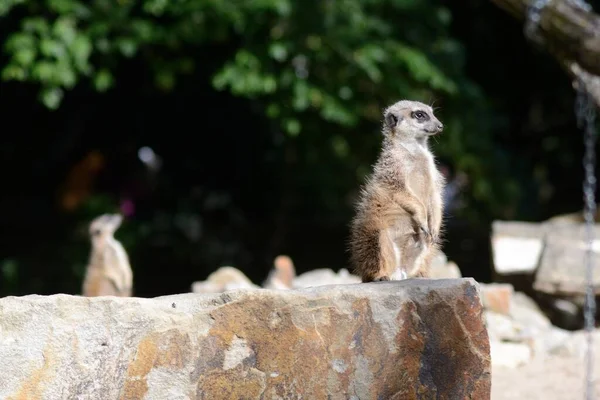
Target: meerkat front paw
[(432, 238), (381, 279), (421, 229), (399, 274)]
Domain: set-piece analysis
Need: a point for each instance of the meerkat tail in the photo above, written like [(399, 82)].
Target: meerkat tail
[(374, 255)]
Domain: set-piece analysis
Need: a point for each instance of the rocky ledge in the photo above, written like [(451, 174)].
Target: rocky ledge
[(389, 340)]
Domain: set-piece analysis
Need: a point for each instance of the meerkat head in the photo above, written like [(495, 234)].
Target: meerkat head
[(284, 269), (410, 119), (104, 226)]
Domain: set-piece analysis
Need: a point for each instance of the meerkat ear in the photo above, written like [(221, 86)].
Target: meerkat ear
[(391, 120)]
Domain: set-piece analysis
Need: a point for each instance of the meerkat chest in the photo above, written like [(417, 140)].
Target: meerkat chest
[(421, 171)]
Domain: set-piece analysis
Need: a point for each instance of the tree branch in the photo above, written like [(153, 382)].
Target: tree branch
[(571, 34)]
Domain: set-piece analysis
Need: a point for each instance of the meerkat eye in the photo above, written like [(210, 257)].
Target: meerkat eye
[(96, 232), (420, 115)]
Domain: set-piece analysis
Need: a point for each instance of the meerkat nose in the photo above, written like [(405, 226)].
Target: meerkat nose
[(440, 127)]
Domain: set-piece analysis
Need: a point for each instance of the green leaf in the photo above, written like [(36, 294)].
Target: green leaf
[(9, 269), (64, 28), (273, 110), (81, 49), (7, 5), (278, 51), (14, 72), (155, 7), (19, 41), (127, 46), (345, 93), (65, 75), (103, 80), (292, 127), (340, 146), (165, 80), (36, 25), (301, 99), (25, 56), (52, 48), (143, 30), (62, 6), (44, 71), (51, 97)]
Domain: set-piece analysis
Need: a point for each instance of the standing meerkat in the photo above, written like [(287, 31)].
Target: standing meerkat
[(282, 275), (108, 271), (395, 232)]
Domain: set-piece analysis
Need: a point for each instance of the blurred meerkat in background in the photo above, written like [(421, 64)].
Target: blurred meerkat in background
[(108, 272), (282, 275)]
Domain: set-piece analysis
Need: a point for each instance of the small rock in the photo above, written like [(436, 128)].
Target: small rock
[(574, 217), (551, 341), (575, 344), (324, 276), (503, 328), (516, 246), (566, 312), (223, 279), (441, 268), (562, 267), (509, 355), (497, 297), (525, 311)]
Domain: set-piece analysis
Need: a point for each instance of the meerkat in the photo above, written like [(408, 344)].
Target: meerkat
[(108, 272), (282, 275), (395, 232)]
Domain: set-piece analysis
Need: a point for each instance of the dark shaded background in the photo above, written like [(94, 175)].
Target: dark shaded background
[(231, 189)]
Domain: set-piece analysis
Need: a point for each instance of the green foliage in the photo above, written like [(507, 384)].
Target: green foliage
[(9, 272), (321, 70)]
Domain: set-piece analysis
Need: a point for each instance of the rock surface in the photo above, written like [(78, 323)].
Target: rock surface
[(497, 297), (388, 340), (562, 266), (441, 268)]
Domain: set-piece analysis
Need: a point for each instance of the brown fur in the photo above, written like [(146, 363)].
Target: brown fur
[(108, 272), (398, 217)]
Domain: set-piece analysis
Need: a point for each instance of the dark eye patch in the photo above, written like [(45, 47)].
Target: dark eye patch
[(96, 232), (420, 115)]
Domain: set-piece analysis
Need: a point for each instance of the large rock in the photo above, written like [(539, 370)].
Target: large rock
[(389, 340), (562, 267), (497, 297)]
